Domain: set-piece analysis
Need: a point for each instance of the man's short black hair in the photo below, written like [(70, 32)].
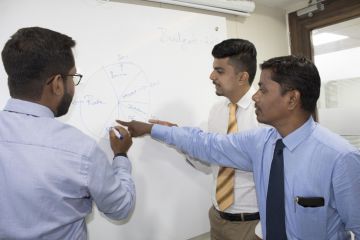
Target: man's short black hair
[(31, 56), (296, 73), (241, 53)]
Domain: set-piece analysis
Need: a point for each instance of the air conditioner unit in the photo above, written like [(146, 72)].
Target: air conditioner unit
[(237, 7)]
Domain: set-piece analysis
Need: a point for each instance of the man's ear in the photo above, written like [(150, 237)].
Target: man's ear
[(294, 99), (57, 85), (243, 78)]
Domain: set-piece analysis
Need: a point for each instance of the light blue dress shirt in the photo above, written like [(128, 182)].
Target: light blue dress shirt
[(317, 163), (50, 174)]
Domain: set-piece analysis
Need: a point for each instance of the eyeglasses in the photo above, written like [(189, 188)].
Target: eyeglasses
[(76, 77)]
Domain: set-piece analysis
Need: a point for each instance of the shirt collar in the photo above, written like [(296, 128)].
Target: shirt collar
[(292, 140), (28, 108), (246, 100)]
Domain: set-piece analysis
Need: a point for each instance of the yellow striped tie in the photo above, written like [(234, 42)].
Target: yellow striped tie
[(225, 179)]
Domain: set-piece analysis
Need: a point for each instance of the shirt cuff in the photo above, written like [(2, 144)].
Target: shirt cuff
[(120, 154), (159, 132), (122, 162)]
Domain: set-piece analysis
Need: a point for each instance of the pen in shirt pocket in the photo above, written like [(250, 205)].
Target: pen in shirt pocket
[(311, 202)]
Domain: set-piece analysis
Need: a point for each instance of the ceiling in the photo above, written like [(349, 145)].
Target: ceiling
[(350, 29), (284, 4)]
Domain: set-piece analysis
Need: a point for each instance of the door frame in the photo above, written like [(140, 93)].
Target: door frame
[(300, 27), (335, 11)]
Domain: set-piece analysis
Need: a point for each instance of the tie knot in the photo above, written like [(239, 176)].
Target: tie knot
[(233, 107), (232, 125), (279, 146)]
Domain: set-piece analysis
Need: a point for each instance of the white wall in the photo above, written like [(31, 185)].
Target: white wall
[(266, 28)]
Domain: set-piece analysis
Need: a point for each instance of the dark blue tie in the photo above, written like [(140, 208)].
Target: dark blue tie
[(275, 201)]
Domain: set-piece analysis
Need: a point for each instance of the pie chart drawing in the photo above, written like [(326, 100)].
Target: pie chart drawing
[(117, 91)]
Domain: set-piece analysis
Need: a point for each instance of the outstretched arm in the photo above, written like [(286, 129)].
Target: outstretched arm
[(137, 128), (161, 122), (219, 149), (193, 162), (212, 148)]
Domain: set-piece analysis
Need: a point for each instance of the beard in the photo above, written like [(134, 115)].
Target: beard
[(64, 105)]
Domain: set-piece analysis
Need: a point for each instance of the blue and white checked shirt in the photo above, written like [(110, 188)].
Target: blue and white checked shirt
[(317, 163), (50, 173)]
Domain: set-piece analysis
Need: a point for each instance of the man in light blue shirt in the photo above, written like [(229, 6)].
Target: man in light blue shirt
[(50, 172), (321, 170)]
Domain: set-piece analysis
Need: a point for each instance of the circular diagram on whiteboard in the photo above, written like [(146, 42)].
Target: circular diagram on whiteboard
[(116, 91)]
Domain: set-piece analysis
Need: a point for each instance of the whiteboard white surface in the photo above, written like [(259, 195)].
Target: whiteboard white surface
[(138, 62)]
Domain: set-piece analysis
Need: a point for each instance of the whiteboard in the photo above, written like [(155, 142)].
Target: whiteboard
[(138, 62)]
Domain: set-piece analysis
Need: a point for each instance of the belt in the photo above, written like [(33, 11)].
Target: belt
[(240, 217)]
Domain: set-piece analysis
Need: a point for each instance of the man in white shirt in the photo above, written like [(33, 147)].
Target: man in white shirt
[(234, 69)]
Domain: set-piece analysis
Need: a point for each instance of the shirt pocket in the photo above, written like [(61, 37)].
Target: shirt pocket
[(310, 222)]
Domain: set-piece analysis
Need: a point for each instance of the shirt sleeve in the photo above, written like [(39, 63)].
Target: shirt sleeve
[(220, 149), (211, 124), (111, 185), (199, 165), (346, 182)]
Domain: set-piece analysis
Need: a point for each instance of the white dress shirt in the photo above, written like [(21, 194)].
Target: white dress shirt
[(244, 188)]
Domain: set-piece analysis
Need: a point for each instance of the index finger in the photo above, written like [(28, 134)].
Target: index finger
[(155, 121), (124, 123)]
